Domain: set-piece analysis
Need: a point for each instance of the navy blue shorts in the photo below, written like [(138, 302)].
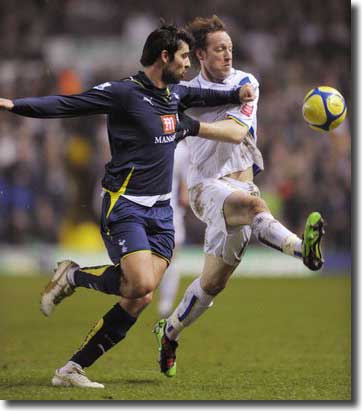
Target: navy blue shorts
[(130, 227)]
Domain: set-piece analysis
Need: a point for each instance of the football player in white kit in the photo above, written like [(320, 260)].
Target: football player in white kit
[(223, 194), (179, 202)]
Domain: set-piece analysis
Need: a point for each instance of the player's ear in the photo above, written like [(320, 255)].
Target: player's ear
[(200, 54), (165, 56)]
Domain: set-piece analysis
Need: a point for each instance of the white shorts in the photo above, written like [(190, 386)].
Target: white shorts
[(207, 202)]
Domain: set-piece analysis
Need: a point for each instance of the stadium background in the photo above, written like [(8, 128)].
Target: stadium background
[(295, 333), (50, 170)]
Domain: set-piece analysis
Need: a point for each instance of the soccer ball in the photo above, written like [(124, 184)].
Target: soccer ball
[(324, 108)]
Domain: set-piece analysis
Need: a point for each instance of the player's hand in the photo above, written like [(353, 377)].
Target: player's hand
[(6, 104), (246, 93)]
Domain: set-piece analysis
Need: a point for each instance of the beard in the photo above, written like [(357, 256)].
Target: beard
[(169, 77)]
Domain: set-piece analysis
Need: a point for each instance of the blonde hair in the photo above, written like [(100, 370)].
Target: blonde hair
[(200, 27)]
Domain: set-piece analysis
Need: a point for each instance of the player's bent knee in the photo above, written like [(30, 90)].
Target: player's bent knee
[(258, 205), (147, 299), (142, 289), (139, 279), (214, 288), (138, 284), (134, 306)]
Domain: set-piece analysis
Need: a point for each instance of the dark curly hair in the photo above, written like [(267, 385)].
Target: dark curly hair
[(166, 37)]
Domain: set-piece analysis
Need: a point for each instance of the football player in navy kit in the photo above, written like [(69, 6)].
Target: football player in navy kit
[(136, 221)]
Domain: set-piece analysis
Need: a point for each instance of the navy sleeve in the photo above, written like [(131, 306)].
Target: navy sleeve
[(197, 97), (98, 100)]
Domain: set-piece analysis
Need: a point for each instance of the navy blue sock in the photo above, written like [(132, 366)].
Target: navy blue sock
[(104, 278), (108, 331)]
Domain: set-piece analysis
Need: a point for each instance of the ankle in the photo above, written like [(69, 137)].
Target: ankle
[(70, 276), (69, 366)]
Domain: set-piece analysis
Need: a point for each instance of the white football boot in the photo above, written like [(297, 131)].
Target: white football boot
[(73, 376), (58, 287)]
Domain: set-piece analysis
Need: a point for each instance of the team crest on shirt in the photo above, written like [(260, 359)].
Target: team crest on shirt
[(247, 109), (123, 245), (169, 123)]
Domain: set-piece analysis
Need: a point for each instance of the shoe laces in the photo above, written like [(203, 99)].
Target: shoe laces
[(81, 374)]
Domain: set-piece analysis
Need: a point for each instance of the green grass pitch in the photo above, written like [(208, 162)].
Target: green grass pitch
[(264, 339)]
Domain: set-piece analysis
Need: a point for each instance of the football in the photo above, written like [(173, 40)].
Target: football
[(324, 108)]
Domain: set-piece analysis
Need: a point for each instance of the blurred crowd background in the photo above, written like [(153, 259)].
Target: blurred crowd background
[(50, 170)]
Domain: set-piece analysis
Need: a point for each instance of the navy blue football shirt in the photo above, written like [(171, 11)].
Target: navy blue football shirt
[(142, 122)]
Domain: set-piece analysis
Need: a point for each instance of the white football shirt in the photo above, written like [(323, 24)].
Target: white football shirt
[(215, 159)]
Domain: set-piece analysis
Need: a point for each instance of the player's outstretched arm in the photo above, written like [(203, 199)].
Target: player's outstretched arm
[(93, 101), (225, 130), (197, 97), (6, 104)]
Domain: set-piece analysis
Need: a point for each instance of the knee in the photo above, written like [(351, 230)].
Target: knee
[(240, 209), (138, 281), (139, 278), (214, 287), (257, 205), (143, 289), (145, 300), (135, 306)]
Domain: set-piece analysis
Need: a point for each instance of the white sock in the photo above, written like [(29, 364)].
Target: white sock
[(168, 289), (272, 233), (194, 303), (70, 275), (69, 366)]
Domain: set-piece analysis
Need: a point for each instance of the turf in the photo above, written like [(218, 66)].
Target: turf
[(264, 339)]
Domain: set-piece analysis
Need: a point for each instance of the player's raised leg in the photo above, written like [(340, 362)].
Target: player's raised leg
[(243, 208), (127, 279), (108, 279)]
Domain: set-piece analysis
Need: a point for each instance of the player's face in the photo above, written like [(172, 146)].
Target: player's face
[(175, 70), (217, 59)]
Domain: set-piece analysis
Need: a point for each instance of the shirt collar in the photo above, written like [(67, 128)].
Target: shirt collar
[(141, 76), (227, 80)]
